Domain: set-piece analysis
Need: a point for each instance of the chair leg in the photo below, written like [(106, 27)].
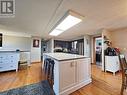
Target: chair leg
[(123, 85), (122, 89), (51, 92), (126, 80)]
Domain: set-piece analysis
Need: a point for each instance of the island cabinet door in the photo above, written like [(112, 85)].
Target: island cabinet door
[(82, 70), (67, 74)]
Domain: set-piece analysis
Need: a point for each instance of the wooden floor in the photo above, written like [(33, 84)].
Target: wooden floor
[(111, 80), (12, 79), (103, 83)]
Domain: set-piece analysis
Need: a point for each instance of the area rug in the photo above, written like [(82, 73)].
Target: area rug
[(41, 88)]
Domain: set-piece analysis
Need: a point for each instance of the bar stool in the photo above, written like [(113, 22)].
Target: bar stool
[(46, 67), (51, 73), (49, 70), (123, 64)]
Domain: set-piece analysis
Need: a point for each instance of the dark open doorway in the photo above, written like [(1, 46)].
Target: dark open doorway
[(98, 51)]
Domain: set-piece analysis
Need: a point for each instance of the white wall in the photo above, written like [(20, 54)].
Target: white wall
[(16, 42), (35, 51), (12, 42), (119, 40), (23, 41), (87, 46)]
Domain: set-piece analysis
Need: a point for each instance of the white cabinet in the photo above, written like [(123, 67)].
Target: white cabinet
[(71, 72), (83, 69), (67, 74), (112, 64), (74, 74), (9, 61)]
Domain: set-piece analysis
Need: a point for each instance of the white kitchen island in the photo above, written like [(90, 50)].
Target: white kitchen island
[(71, 72)]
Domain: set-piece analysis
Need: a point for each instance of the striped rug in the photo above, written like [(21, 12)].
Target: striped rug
[(41, 88)]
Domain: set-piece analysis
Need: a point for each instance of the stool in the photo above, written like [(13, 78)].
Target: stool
[(49, 71), (23, 65)]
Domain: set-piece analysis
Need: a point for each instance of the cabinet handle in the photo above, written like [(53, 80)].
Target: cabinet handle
[(72, 64)]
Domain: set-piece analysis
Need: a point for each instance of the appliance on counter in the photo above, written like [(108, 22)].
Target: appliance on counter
[(58, 49)]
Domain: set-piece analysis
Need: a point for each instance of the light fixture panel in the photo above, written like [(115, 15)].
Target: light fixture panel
[(70, 19), (55, 32), (68, 22)]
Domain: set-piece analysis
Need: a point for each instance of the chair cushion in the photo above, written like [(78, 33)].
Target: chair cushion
[(22, 62)]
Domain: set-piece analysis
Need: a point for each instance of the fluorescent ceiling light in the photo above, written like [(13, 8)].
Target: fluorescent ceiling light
[(67, 22), (56, 32)]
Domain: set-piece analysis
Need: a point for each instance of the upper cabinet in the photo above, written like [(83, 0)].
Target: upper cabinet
[(73, 46), (62, 46), (79, 46)]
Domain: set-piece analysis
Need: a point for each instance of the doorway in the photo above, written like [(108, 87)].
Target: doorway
[(98, 50)]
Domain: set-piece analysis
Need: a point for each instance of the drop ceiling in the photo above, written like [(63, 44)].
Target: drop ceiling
[(37, 17)]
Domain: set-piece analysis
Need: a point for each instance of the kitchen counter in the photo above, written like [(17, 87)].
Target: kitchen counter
[(71, 72), (64, 56)]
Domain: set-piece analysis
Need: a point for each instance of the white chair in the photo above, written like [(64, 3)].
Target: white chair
[(24, 59)]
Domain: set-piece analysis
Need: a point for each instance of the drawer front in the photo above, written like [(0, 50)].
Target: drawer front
[(4, 67), (12, 56), (11, 61), (3, 57), (8, 56), (3, 61)]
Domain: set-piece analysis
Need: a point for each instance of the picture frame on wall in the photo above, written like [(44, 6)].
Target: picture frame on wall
[(35, 43), (1, 35)]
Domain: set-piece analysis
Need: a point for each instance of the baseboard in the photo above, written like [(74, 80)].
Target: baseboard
[(36, 62), (76, 87)]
